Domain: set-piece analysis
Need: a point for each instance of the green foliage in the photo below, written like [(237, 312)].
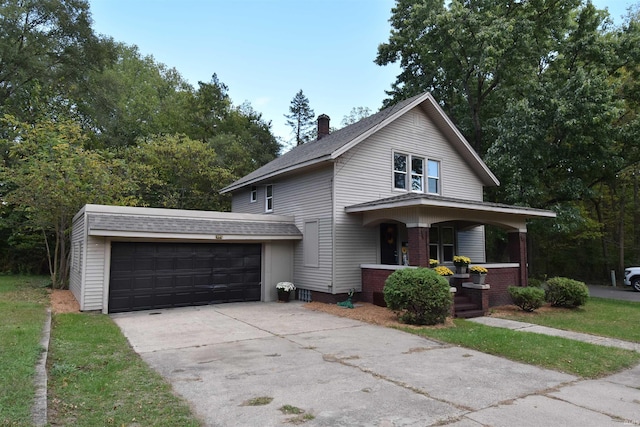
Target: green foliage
[(420, 295), (565, 292), (527, 298), (301, 118)]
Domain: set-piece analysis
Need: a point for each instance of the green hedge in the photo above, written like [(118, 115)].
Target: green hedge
[(528, 299), (564, 292), (419, 295)]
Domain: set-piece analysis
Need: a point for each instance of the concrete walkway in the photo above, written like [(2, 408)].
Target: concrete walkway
[(348, 373), (530, 327)]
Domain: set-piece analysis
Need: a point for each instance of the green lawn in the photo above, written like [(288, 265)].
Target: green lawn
[(97, 379), (23, 302), (573, 357), (599, 316)]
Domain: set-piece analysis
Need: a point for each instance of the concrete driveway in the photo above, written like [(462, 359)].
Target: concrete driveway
[(347, 373)]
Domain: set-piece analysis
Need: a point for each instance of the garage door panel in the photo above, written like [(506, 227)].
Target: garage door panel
[(162, 275)]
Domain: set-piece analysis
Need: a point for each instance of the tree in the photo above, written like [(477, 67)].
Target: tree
[(46, 48), (355, 115), (300, 118), (50, 177), (174, 171), (465, 52)]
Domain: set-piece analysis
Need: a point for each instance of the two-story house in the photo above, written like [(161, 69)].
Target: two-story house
[(338, 214)]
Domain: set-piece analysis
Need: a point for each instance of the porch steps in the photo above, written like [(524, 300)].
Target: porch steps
[(465, 308)]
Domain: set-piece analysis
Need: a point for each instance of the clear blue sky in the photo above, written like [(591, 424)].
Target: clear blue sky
[(267, 50)]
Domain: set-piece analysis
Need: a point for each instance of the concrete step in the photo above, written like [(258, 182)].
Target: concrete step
[(467, 314)]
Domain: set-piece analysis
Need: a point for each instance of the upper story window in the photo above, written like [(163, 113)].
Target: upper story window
[(433, 170), (254, 193), (409, 174), (268, 198)]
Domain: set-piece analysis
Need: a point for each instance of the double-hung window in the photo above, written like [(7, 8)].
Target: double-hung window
[(268, 198), (409, 174)]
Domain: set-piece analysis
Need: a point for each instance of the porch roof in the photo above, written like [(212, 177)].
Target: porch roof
[(416, 200)]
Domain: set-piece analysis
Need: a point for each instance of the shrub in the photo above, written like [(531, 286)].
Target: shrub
[(419, 295), (528, 299), (564, 292)]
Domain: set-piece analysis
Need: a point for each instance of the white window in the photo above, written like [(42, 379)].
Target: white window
[(442, 243), (417, 174), (254, 193), (409, 174), (268, 198), (400, 171), (311, 244), (433, 170)]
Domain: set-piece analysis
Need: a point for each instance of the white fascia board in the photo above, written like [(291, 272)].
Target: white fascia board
[(186, 236), (275, 173), (456, 205)]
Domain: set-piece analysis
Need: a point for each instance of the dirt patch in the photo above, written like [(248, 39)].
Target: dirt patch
[(366, 312), (63, 301)]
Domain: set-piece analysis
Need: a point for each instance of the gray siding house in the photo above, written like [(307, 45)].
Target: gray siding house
[(334, 215), (392, 190)]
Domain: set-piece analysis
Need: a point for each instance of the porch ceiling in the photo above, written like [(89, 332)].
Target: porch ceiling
[(416, 209)]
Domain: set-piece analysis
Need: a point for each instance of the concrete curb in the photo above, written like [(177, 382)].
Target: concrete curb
[(39, 409)]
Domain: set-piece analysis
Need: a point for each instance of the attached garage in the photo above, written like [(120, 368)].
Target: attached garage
[(126, 258)]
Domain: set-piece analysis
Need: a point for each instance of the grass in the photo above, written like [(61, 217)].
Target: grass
[(23, 301), (599, 316), (97, 379), (560, 354)]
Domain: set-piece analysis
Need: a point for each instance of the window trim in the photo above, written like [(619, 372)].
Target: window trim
[(253, 194), (425, 178), (311, 244), (268, 198)]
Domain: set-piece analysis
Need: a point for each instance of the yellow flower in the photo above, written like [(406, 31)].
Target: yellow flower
[(443, 271), (459, 260), (478, 270)]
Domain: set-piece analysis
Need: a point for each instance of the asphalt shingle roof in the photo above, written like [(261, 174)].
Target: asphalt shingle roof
[(321, 148), (150, 224)]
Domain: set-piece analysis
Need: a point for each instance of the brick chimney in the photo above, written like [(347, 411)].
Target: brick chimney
[(323, 125)]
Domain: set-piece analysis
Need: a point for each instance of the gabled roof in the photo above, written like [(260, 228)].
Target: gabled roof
[(337, 143)]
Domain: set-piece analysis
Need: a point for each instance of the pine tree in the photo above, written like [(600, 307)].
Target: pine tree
[(301, 118)]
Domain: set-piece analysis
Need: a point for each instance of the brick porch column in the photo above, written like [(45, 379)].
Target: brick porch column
[(418, 246), (518, 253)]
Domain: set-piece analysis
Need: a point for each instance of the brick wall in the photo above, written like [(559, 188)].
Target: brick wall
[(500, 279), (373, 282)]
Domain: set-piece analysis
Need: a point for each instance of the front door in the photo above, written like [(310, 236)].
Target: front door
[(389, 244)]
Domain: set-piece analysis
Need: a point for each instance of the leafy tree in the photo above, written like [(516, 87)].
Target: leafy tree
[(300, 118), (133, 98), (50, 178), (464, 52), (46, 48), (355, 115), (178, 172)]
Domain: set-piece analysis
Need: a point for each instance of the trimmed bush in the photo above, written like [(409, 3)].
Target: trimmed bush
[(564, 292), (528, 299), (419, 295)]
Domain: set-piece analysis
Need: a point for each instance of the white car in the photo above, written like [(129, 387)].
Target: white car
[(632, 277)]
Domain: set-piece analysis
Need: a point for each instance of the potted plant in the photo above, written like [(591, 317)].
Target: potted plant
[(461, 263), (478, 274), (284, 290), (443, 271), (433, 263)]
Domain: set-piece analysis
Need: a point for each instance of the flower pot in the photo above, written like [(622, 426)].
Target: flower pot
[(462, 269), (478, 279), (283, 295)]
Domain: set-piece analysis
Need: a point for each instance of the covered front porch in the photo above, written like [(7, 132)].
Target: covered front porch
[(415, 228)]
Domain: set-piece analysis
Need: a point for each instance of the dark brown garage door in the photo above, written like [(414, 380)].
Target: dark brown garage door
[(159, 275)]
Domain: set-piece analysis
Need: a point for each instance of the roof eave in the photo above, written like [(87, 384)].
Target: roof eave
[(293, 168)]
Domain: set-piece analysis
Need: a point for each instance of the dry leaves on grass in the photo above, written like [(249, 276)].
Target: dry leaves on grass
[(366, 312)]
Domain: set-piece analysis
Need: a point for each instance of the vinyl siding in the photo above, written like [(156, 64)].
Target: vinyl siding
[(94, 273), (365, 173), (78, 246), (307, 197)]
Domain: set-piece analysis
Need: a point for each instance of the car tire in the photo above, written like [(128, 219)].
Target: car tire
[(635, 283)]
